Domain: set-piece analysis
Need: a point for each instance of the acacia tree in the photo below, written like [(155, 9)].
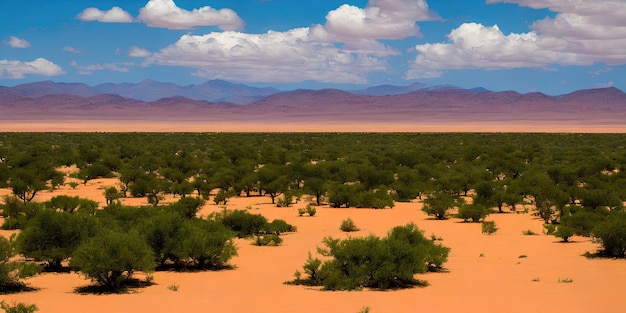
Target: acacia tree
[(110, 258), (439, 204), (53, 236)]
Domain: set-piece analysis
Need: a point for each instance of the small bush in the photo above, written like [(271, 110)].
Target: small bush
[(173, 287), (243, 223), (18, 307), (528, 232), (278, 226), (373, 262), (348, 226), (310, 210), (489, 228), (565, 280), (301, 211), (267, 240)]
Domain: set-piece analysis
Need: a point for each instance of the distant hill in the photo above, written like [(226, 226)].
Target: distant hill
[(150, 90), (330, 108)]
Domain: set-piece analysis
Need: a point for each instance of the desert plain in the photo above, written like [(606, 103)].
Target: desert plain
[(504, 272)]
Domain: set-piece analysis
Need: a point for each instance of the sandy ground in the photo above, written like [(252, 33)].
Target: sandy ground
[(485, 273), (419, 124)]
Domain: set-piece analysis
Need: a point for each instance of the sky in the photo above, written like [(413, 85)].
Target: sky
[(550, 46)]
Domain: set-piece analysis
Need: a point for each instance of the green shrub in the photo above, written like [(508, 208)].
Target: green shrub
[(439, 204), (12, 272), (373, 262), (207, 244), (489, 228), (110, 258), (278, 226), (475, 212), (310, 210), (612, 234), (301, 211), (348, 225), (243, 223), (267, 240), (53, 236), (18, 307), (528, 232)]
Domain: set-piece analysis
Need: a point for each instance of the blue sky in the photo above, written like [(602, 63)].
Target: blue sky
[(551, 46)]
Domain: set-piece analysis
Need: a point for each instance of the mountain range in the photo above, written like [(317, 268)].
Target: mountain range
[(220, 102)]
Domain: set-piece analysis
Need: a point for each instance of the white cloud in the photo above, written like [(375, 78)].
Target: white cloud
[(294, 55), (15, 42), (71, 49), (18, 69), (582, 33), (380, 19), (89, 69), (114, 15), (137, 52), (166, 14)]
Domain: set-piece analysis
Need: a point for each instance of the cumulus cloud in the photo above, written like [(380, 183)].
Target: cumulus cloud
[(114, 15), (346, 49), (137, 52), (18, 69), (380, 19), (582, 33), (89, 69), (15, 42), (166, 14), (294, 55)]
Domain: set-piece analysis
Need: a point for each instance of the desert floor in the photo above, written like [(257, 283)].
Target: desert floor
[(216, 124), (485, 273)]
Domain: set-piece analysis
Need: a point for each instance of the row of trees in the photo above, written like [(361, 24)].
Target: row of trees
[(109, 245)]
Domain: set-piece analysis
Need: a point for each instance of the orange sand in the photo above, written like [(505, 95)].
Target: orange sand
[(497, 281), (419, 124)]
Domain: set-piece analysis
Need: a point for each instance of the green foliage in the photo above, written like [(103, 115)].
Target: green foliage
[(439, 204), (12, 272), (52, 236), (267, 240), (373, 262), (72, 204), (612, 234), (528, 232), (243, 223), (110, 258), (18, 307), (489, 227), (278, 226), (186, 207), (16, 213), (310, 210), (207, 244), (112, 194), (348, 225), (474, 212)]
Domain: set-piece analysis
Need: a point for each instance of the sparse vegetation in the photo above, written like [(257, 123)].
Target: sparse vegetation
[(489, 228), (348, 225), (357, 263), (528, 232), (18, 307)]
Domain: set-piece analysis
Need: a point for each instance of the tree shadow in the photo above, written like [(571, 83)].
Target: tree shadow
[(130, 286), (16, 288)]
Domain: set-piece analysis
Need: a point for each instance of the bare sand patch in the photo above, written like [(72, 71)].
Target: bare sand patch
[(485, 273)]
